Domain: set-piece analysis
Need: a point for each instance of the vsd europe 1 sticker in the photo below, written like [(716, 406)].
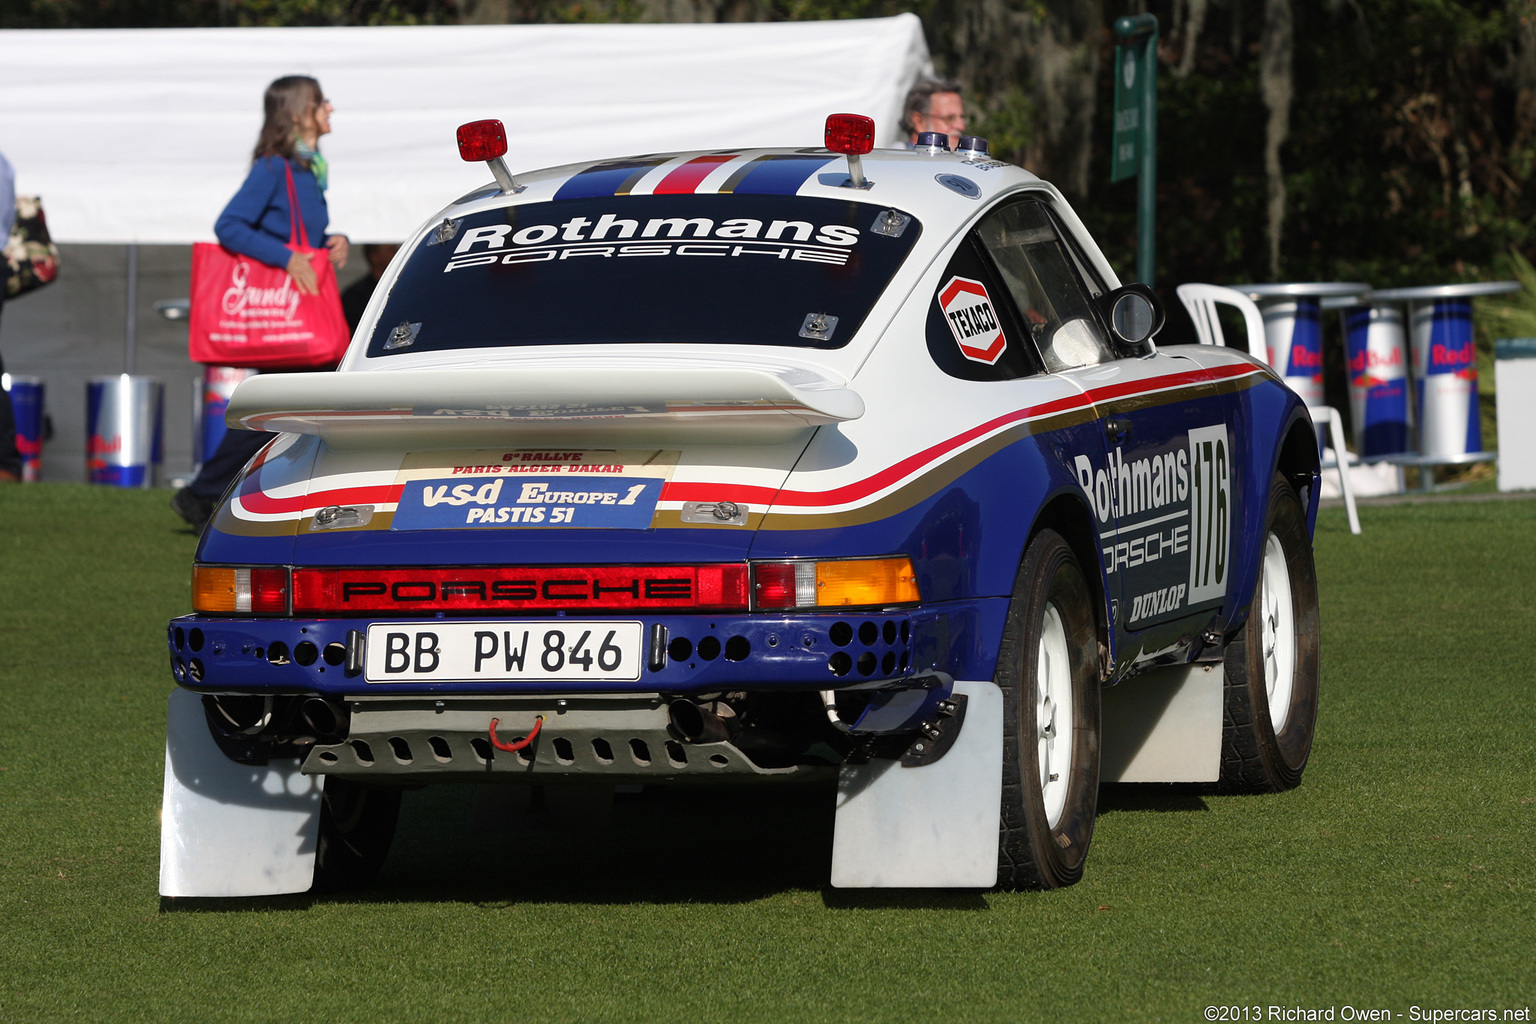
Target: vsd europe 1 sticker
[(973, 320), (500, 489)]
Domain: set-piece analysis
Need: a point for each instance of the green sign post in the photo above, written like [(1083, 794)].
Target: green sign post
[(1134, 142)]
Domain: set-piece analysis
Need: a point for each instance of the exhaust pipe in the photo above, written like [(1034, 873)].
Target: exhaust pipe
[(695, 724), (327, 721)]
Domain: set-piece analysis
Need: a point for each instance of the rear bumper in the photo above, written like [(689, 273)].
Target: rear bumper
[(685, 654)]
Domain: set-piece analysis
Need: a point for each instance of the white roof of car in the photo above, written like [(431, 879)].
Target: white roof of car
[(904, 178)]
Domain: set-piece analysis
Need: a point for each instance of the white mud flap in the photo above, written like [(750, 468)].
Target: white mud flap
[(933, 826), (230, 829), (1164, 726)]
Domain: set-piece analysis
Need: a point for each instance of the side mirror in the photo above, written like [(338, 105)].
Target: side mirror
[(1134, 314)]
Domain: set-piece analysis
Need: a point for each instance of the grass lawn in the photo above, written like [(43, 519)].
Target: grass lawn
[(1402, 873)]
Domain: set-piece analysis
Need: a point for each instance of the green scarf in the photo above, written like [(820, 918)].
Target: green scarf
[(311, 158)]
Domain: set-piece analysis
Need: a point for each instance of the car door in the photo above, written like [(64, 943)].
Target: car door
[(1163, 487)]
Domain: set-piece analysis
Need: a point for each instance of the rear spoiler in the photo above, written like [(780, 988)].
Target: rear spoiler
[(567, 403)]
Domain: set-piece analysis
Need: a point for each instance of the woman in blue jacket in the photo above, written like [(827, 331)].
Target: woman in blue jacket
[(256, 223)]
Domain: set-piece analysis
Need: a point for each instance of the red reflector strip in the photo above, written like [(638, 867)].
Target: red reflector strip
[(537, 588)]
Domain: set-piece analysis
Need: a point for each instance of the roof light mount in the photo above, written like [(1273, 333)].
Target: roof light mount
[(853, 135), (487, 140), (932, 143), (973, 147)]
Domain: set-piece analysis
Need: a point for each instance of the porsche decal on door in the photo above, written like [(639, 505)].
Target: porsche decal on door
[(1165, 521)]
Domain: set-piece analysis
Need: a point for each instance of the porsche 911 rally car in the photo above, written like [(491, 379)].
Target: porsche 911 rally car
[(754, 466)]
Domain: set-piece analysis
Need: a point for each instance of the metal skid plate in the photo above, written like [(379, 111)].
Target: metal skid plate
[(928, 826), (229, 829), (616, 738)]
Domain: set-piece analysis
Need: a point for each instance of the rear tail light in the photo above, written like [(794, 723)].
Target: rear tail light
[(225, 590), (800, 583), (861, 582), (510, 590)]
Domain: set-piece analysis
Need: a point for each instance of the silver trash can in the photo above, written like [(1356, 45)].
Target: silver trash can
[(124, 419), (28, 411)]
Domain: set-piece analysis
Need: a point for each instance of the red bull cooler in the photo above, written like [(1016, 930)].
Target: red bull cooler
[(1293, 330), (219, 383), (1445, 365), (124, 418), (27, 409), (1293, 333), (1378, 379)]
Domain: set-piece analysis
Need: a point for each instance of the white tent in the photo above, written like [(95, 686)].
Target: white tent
[(142, 135)]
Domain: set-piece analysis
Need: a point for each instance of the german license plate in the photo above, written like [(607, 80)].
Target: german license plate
[(472, 652)]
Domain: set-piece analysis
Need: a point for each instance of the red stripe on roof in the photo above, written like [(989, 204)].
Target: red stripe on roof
[(687, 177)]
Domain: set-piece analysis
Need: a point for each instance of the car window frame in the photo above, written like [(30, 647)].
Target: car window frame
[(1011, 323), (1093, 286)]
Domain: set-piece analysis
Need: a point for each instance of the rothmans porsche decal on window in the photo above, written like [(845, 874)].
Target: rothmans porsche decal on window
[(663, 268), (511, 489), (610, 236)]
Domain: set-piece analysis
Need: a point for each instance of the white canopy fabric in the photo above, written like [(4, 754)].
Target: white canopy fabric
[(142, 135)]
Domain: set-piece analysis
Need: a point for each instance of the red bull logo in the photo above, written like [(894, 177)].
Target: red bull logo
[(1373, 359), (1451, 356), (1307, 359)]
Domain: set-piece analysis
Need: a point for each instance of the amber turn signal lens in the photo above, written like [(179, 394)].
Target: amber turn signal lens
[(866, 581)]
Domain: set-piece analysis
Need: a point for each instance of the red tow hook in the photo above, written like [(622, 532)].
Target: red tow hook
[(519, 744)]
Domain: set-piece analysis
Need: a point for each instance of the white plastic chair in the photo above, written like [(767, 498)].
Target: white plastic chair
[(1201, 301)]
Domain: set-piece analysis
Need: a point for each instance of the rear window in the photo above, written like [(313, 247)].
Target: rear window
[(708, 269)]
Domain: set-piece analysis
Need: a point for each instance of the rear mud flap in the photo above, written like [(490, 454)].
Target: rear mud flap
[(229, 829), (933, 826)]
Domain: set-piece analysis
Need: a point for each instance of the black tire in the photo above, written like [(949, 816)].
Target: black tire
[(357, 824), (1040, 848), (1255, 758)]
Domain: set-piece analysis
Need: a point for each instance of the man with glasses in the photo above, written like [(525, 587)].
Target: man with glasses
[(934, 105)]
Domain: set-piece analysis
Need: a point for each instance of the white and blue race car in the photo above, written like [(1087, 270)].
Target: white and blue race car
[(756, 466)]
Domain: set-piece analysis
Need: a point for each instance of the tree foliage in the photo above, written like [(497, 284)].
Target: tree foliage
[(1411, 127), (1410, 140)]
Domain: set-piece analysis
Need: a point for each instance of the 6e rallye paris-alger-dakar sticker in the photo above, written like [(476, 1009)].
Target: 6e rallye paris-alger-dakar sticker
[(500, 489)]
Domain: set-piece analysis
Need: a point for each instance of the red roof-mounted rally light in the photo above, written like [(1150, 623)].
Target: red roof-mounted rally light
[(487, 140), (852, 135)]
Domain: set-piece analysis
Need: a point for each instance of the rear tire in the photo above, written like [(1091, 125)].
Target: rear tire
[(357, 824), (1047, 668), (1272, 665)]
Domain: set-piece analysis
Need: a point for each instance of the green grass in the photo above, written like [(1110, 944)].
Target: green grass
[(1401, 873)]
